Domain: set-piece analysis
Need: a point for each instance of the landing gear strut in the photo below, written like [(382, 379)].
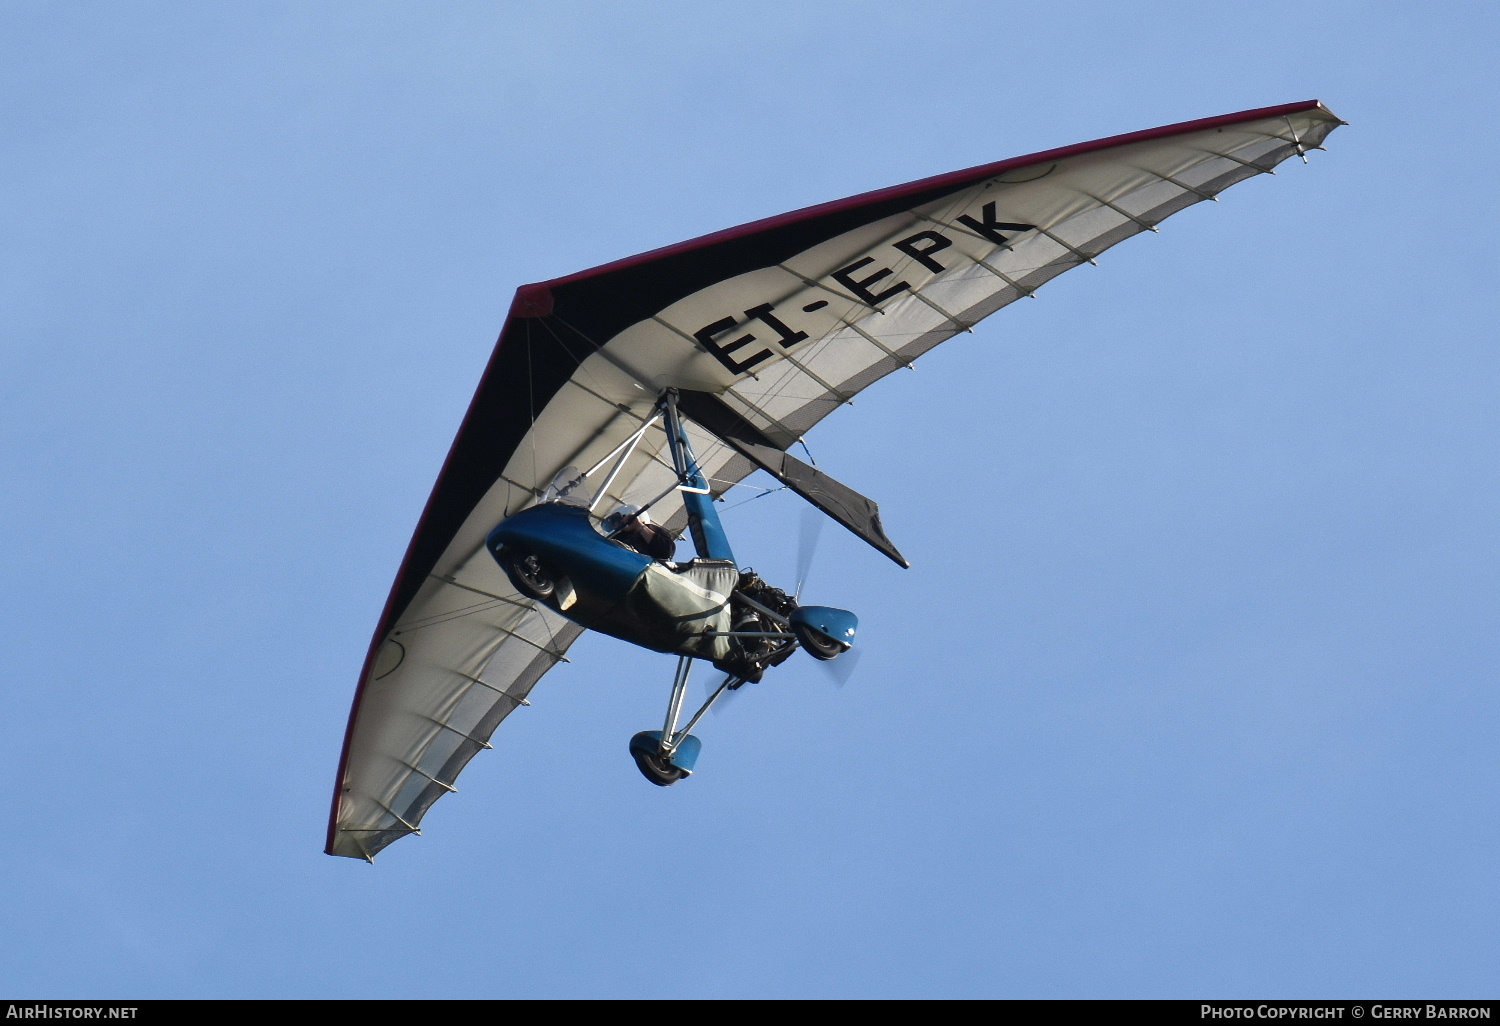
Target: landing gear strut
[(666, 756)]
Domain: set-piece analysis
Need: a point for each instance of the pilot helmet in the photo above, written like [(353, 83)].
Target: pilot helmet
[(622, 515)]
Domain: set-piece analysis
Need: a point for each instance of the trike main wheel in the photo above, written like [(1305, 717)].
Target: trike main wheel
[(527, 573), (818, 644)]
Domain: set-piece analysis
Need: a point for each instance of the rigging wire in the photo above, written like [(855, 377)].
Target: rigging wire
[(762, 495)]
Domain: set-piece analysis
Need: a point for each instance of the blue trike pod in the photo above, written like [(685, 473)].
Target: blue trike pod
[(648, 742)]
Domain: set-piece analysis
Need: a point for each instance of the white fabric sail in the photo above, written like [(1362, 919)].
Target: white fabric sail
[(782, 321)]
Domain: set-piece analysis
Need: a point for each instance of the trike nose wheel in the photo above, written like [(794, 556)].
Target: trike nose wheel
[(664, 771), (656, 769)]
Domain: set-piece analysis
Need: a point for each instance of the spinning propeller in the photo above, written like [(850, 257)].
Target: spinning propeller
[(809, 534), (841, 669), (807, 546)]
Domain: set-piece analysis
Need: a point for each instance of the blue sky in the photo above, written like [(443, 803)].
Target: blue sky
[(1190, 691)]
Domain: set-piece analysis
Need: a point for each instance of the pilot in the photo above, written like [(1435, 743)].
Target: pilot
[(631, 526)]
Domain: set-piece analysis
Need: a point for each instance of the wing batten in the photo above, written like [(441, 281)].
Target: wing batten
[(457, 728)]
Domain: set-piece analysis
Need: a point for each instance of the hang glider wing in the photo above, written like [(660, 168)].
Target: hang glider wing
[(778, 322)]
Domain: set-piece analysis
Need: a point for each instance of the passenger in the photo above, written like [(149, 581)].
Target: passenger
[(632, 527)]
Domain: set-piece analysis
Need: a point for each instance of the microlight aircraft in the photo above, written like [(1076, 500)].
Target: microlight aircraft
[(653, 384)]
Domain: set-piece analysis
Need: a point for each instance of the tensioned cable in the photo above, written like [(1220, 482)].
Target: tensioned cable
[(572, 356), (762, 495), (653, 457)]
